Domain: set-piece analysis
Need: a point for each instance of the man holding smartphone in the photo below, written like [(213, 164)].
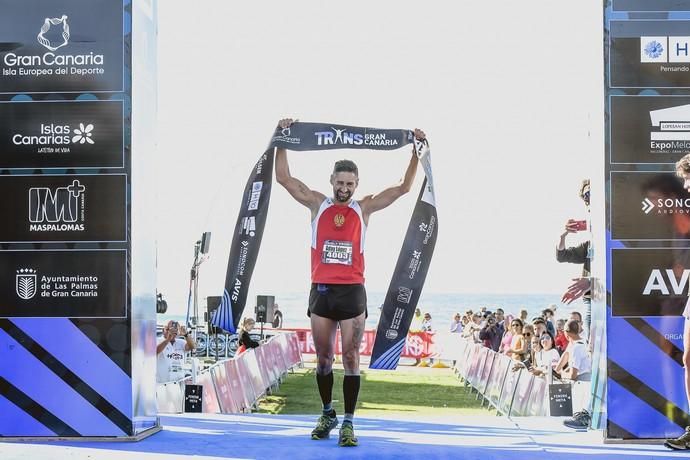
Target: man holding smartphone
[(171, 352), (579, 254)]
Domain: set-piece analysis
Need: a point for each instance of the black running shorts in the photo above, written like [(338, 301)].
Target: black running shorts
[(337, 301)]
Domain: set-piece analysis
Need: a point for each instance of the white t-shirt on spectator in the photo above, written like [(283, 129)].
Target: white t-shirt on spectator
[(170, 360), (547, 359), (578, 357)]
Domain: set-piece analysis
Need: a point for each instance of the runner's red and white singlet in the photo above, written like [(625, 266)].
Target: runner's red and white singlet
[(337, 244)]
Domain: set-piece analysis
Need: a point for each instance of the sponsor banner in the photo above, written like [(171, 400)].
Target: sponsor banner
[(63, 208), (63, 134), (647, 205), (408, 277), (649, 54), (250, 224), (66, 283), (651, 5), (246, 242), (322, 136), (649, 282), (61, 46), (649, 129)]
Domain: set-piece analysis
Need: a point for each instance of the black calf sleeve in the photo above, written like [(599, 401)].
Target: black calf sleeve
[(325, 384), (350, 392)]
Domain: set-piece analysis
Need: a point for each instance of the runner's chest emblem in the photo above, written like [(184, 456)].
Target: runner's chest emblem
[(339, 220)]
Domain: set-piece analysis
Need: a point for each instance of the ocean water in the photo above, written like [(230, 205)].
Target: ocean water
[(442, 307)]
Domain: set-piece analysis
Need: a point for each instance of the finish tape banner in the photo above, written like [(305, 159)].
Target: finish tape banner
[(417, 249)]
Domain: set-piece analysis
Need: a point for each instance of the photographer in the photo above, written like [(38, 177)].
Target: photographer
[(580, 254), (491, 333), (171, 352)]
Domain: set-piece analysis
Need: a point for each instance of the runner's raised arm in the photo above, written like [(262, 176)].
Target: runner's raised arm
[(295, 187)]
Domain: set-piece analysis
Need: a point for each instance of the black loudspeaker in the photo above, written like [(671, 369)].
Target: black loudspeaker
[(212, 304), (205, 242), (264, 308), (161, 304)]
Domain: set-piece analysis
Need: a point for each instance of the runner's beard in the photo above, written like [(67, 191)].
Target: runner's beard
[(343, 197)]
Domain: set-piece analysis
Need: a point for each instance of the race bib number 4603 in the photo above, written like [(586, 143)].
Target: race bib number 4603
[(337, 252)]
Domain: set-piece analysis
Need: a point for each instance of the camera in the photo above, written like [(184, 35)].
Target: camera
[(174, 327)]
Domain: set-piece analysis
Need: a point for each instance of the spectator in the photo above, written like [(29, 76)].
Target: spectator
[(548, 316), (523, 315), (491, 333), (456, 326), (561, 339), (539, 325), (528, 333), (471, 330), (426, 324), (547, 358), (171, 352), (277, 322), (417, 320), (507, 335), (579, 254), (500, 317), (518, 345), (578, 369), (245, 340), (576, 316)]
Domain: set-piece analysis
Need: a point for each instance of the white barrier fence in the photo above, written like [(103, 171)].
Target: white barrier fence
[(235, 385), (511, 393)]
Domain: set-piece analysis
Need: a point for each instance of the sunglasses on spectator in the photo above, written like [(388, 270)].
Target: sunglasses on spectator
[(544, 338), (527, 334)]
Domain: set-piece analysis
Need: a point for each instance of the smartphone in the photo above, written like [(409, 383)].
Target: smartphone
[(580, 225)]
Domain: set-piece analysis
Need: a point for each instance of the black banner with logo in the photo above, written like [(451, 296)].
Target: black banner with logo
[(64, 208), (74, 47), (647, 205), (649, 129), (65, 284), (649, 53), (416, 251), (649, 282), (61, 134)]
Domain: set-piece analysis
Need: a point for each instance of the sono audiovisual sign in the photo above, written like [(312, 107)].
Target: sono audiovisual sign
[(50, 46)]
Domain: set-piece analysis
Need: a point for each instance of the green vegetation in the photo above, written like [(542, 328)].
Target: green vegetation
[(410, 391)]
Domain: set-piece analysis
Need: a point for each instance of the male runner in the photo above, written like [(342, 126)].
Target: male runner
[(337, 294), (683, 441)]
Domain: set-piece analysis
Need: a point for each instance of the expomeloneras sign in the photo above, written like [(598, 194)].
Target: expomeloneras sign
[(61, 46), (71, 283), (61, 134), (649, 129)]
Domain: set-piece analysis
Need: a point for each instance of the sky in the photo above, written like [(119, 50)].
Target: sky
[(509, 93)]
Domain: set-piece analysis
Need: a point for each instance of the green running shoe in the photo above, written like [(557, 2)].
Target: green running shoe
[(324, 426), (680, 443), (347, 436)]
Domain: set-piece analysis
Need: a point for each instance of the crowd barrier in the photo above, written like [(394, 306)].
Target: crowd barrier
[(235, 385), (418, 344), (511, 393)]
